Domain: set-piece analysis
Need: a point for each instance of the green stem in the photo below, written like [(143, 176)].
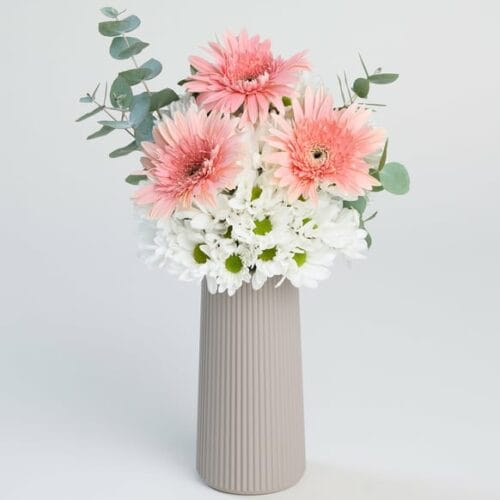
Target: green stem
[(106, 110)]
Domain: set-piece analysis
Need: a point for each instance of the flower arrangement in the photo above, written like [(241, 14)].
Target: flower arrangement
[(253, 170)]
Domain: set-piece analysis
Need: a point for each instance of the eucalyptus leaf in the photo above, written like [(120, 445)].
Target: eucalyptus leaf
[(123, 47), (395, 178), (129, 148), (154, 67), (86, 99), (110, 12), (139, 108), (162, 98), (135, 179), (115, 28), (383, 158), (143, 132), (361, 87), (135, 76), (115, 124), (90, 113), (383, 78), (359, 205), (104, 130), (121, 93), (368, 239)]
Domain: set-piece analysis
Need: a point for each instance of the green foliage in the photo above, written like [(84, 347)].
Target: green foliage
[(153, 66), (135, 179), (263, 226), (104, 130), (383, 157), (86, 99), (383, 78), (115, 28), (124, 47), (115, 124), (139, 108), (135, 76), (199, 255), (121, 93), (361, 87), (368, 239), (395, 178), (364, 65), (162, 98), (90, 113), (234, 264), (268, 254), (125, 150), (359, 205), (110, 12), (143, 132)]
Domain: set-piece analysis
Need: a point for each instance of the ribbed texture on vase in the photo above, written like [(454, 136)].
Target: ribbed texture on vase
[(250, 407)]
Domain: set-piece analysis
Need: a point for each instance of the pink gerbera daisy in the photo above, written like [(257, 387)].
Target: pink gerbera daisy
[(246, 75), (192, 156), (323, 145)]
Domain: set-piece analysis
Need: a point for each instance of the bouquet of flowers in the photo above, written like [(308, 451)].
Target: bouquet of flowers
[(253, 170)]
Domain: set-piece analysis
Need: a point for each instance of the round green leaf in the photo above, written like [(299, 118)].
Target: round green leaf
[(383, 78), (361, 87), (110, 12), (144, 131), (135, 76), (395, 178), (153, 66), (115, 28), (359, 205), (135, 179), (121, 93), (162, 98), (125, 47), (139, 108)]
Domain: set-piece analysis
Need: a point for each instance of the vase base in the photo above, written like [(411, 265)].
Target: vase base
[(236, 491)]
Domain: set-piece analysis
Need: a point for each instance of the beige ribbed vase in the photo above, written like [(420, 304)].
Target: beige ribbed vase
[(250, 407)]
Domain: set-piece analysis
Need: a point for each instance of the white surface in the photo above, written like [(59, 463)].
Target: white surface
[(98, 356)]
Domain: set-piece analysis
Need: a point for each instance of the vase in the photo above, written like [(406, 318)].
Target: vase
[(250, 406)]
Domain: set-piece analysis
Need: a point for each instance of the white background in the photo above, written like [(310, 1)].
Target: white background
[(98, 355)]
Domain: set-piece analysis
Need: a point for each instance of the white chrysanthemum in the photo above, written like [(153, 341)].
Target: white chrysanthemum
[(253, 232)]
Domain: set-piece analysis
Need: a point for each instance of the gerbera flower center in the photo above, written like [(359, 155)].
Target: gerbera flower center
[(319, 155), (248, 66)]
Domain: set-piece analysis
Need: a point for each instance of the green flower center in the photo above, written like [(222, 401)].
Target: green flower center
[(234, 264), (263, 226), (199, 255), (268, 254), (256, 192), (300, 258)]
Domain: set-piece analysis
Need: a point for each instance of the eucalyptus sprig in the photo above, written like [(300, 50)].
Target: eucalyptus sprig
[(361, 85), (131, 112)]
